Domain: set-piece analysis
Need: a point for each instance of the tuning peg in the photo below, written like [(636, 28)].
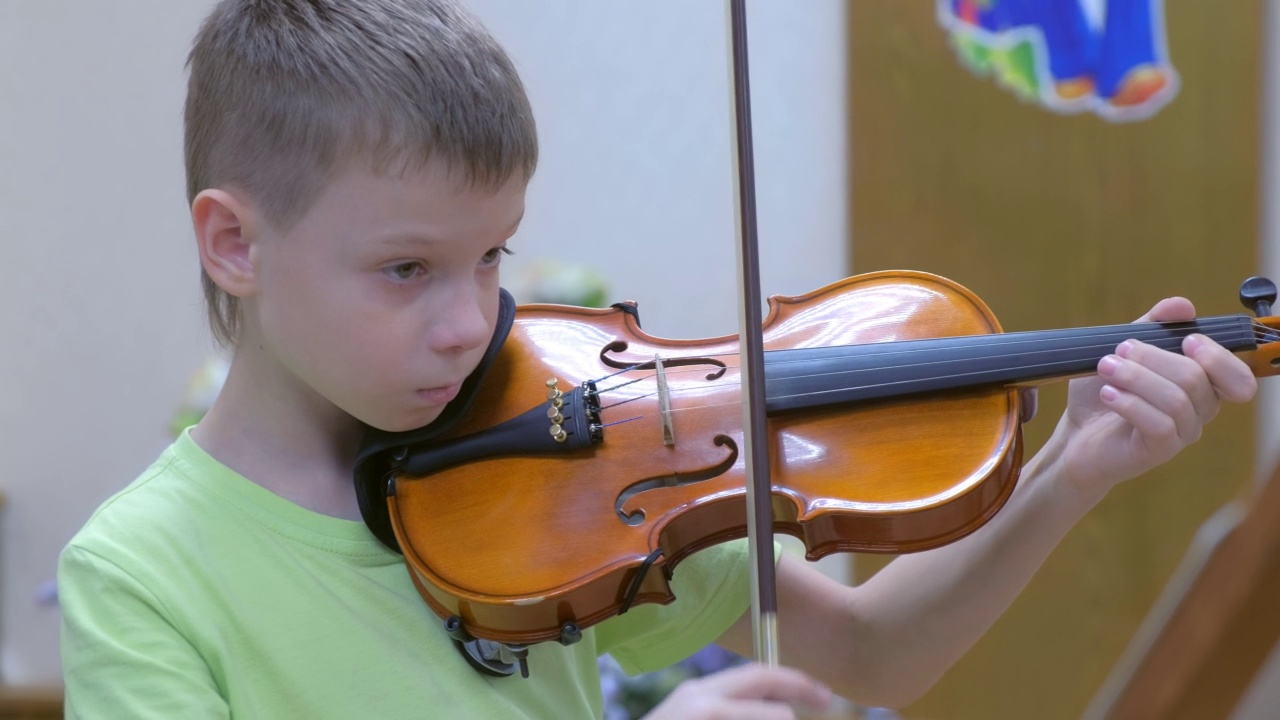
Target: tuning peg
[(1258, 294)]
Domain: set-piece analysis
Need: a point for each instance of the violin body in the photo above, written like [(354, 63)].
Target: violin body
[(519, 546)]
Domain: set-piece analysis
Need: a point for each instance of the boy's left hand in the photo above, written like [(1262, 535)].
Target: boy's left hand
[(1145, 405)]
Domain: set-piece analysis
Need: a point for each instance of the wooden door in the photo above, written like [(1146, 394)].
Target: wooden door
[(1056, 221)]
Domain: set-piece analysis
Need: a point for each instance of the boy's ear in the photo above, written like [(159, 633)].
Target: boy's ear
[(226, 250)]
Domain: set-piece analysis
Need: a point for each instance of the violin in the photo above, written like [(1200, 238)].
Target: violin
[(588, 458), (584, 459)]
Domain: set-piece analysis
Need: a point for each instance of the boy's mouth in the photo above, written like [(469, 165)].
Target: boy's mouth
[(440, 395)]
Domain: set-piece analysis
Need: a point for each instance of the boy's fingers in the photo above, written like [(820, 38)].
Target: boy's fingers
[(756, 710), (1170, 384), (1172, 309), (760, 682), (1027, 404), (1231, 379)]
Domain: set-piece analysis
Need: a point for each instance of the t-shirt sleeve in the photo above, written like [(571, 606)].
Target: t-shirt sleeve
[(121, 656), (712, 589)]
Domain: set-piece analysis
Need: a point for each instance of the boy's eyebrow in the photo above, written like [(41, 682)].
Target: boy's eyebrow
[(413, 239)]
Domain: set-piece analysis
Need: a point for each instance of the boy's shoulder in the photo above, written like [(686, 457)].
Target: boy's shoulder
[(162, 513), (188, 513), (151, 509)]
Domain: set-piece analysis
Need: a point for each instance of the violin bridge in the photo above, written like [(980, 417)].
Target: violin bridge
[(664, 403)]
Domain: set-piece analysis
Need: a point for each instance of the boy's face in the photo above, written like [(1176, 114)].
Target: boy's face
[(383, 297)]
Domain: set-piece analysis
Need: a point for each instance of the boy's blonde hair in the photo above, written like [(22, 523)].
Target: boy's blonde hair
[(283, 93)]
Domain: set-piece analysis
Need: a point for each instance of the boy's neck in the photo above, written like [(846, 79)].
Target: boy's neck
[(283, 436)]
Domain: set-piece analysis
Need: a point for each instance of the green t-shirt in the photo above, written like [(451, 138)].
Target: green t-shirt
[(195, 593)]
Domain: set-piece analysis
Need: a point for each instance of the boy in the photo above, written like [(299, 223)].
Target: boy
[(355, 171)]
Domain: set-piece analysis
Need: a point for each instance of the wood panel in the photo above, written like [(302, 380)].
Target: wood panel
[(1064, 221), (1214, 627), (20, 703)]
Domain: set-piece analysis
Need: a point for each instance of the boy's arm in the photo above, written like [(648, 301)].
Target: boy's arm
[(121, 658), (887, 641)]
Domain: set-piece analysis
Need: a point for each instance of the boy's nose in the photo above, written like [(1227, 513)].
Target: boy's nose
[(460, 321)]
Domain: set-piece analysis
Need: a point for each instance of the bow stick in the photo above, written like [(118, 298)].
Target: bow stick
[(764, 595)]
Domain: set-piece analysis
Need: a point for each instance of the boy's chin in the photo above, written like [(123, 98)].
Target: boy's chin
[(413, 421)]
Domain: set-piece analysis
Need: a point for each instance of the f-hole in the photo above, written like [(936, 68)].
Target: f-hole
[(619, 346), (676, 480)]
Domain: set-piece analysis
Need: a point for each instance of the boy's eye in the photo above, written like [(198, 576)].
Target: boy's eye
[(494, 256), (405, 270)]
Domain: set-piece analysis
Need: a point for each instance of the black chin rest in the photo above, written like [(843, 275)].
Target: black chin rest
[(377, 459)]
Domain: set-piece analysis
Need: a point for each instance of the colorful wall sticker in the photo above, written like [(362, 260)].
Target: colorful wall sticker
[(1108, 57)]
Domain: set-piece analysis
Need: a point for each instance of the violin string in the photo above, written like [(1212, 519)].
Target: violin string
[(626, 369), (1212, 333), (677, 370), (1217, 333), (629, 382), (619, 422), (1263, 333), (630, 399)]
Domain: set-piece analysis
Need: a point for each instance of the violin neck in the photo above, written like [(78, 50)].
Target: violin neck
[(807, 378)]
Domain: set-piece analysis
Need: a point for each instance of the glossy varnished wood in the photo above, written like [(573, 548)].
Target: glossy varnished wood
[(517, 546)]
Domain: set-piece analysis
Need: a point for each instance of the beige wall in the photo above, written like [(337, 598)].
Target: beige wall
[(100, 316), (99, 312)]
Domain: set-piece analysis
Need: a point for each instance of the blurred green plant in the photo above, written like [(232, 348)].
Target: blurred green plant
[(559, 283), (202, 389)]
